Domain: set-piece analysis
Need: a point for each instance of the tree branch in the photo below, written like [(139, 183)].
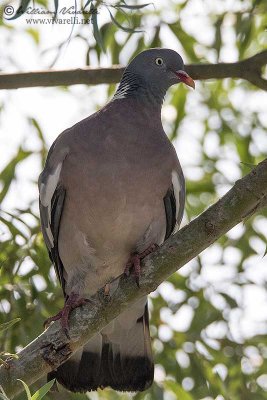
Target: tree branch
[(52, 347), (249, 69)]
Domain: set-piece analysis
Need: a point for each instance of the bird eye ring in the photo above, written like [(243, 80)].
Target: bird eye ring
[(159, 61)]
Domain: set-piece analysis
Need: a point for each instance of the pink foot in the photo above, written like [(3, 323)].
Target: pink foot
[(72, 302), (135, 262)]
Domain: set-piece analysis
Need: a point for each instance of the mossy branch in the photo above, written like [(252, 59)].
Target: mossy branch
[(52, 347)]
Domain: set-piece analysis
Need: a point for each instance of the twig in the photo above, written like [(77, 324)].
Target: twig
[(249, 69)]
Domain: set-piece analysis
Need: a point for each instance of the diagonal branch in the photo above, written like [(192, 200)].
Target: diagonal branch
[(52, 347), (249, 69)]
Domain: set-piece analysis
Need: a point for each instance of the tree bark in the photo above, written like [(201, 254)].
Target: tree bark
[(249, 69), (52, 347)]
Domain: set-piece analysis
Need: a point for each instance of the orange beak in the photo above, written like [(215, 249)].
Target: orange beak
[(185, 78)]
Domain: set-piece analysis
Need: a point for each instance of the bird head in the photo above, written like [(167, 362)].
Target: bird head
[(160, 68)]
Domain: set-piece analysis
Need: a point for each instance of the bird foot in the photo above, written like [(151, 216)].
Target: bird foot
[(135, 262), (104, 294), (107, 289), (72, 302)]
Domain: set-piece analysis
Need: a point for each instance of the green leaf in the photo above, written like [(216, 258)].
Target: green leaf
[(43, 390), (137, 7), (87, 3), (97, 34), (11, 226), (218, 35), (244, 31), (177, 389), (8, 173), (187, 41), (10, 355), (155, 42), (34, 34), (122, 27), (56, 7), (230, 300), (21, 9), (250, 166), (44, 148), (27, 389), (7, 325), (179, 102), (37, 126)]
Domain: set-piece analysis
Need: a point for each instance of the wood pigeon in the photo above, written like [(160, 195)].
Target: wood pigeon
[(112, 189)]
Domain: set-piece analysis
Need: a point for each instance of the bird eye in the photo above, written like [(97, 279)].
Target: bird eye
[(159, 61)]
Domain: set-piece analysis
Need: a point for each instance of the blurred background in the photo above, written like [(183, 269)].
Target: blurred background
[(209, 321)]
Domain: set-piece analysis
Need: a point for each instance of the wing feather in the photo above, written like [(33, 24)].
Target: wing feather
[(174, 202), (51, 204)]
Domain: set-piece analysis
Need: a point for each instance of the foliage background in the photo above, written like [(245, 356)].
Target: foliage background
[(208, 323)]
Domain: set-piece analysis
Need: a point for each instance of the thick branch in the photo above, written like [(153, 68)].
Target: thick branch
[(249, 69), (52, 347)]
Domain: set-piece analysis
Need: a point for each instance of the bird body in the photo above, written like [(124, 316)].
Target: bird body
[(112, 217), (112, 187)]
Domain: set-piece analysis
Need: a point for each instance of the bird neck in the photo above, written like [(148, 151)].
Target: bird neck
[(133, 86)]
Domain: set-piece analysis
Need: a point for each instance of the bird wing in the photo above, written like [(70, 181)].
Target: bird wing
[(174, 202), (51, 204)]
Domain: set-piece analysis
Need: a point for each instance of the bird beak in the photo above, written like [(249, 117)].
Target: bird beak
[(185, 78)]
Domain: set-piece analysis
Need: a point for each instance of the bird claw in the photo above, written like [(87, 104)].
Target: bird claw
[(107, 289), (73, 301), (135, 262), (104, 293), (48, 321)]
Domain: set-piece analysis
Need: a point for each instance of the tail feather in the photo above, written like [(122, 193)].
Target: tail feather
[(119, 357)]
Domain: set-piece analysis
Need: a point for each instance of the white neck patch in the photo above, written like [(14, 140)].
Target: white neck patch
[(122, 93)]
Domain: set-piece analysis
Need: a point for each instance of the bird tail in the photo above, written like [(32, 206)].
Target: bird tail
[(119, 357)]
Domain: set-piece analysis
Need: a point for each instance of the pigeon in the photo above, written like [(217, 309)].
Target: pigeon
[(112, 190)]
